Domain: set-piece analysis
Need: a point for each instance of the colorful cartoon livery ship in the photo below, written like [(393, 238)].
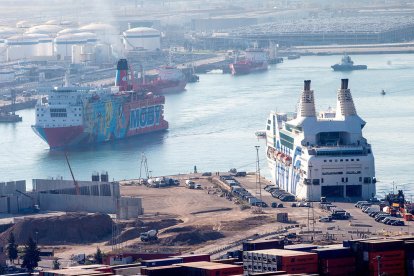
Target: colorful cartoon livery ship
[(82, 115)]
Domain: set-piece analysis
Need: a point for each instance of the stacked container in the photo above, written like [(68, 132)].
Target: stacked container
[(386, 256), (409, 257), (293, 262), (335, 261), (260, 245)]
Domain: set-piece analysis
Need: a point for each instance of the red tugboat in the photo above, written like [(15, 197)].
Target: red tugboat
[(255, 61)]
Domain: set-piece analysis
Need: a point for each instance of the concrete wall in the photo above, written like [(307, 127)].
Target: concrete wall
[(9, 188), (77, 203), (14, 204)]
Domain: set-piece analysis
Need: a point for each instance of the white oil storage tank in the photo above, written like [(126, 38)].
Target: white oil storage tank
[(50, 30), (6, 32), (21, 47), (142, 38), (44, 45), (64, 43)]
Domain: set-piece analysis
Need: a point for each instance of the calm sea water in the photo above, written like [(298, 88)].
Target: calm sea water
[(212, 124)]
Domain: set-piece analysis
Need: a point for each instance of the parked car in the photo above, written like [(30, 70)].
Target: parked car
[(274, 205), (280, 205), (325, 219), (206, 174), (398, 223), (241, 174)]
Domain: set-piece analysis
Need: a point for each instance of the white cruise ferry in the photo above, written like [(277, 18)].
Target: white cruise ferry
[(325, 155)]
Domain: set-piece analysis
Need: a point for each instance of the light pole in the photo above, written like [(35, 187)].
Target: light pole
[(258, 183)]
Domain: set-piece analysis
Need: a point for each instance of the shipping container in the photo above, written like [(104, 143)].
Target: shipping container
[(300, 268), (332, 253), (161, 262), (381, 245), (261, 245), (301, 247), (193, 258), (385, 255), (337, 262), (163, 271), (226, 261)]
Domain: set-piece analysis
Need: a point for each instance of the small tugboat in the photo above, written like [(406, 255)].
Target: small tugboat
[(6, 117), (383, 92), (347, 65)]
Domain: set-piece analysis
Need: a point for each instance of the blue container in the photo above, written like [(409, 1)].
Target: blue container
[(161, 262)]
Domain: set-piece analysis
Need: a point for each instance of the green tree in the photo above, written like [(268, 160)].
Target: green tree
[(31, 255), (98, 256), (11, 248)]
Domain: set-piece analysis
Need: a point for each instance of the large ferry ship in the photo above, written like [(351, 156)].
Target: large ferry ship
[(325, 155), (79, 115), (255, 60)]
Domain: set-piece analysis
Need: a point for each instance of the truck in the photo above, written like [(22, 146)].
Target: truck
[(189, 184), (150, 235)]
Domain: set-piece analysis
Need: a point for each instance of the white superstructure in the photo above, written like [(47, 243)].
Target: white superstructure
[(312, 156)]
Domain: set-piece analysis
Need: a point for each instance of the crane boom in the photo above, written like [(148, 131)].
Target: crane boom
[(73, 177)]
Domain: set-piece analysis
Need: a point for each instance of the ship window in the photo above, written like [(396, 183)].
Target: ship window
[(357, 159), (324, 161), (367, 180), (352, 159), (341, 160), (268, 128), (321, 180), (360, 179), (268, 121), (336, 160), (346, 160), (315, 181), (330, 160)]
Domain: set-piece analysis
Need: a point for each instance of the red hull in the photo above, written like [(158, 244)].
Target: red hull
[(243, 68)]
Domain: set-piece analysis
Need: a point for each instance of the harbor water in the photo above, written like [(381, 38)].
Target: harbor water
[(212, 124)]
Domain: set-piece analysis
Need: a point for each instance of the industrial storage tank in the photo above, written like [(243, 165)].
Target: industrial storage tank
[(6, 32), (106, 33), (21, 47), (69, 31), (23, 24), (50, 30), (64, 43), (44, 46), (142, 38)]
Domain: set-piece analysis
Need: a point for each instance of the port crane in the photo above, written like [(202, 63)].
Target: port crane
[(77, 189)]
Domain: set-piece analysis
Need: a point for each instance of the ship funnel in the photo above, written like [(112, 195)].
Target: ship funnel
[(345, 104), (121, 79), (306, 86), (344, 83), (307, 101)]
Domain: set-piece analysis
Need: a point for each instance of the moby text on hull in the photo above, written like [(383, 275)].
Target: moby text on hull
[(314, 156)]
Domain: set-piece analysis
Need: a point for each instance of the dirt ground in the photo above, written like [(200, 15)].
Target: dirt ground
[(203, 220)]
